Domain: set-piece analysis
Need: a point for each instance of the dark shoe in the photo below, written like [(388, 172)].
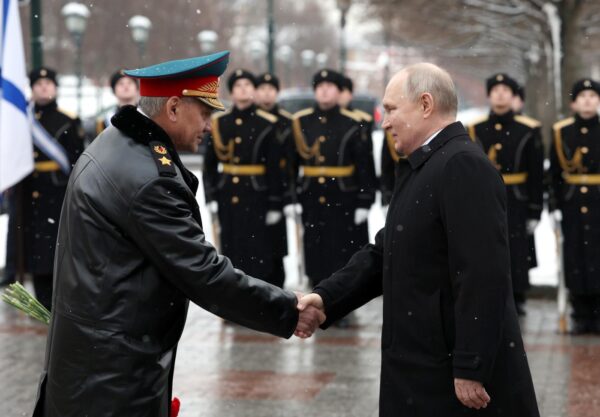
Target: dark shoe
[(521, 309), (579, 327)]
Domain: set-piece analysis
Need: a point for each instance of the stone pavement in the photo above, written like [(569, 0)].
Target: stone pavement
[(228, 371)]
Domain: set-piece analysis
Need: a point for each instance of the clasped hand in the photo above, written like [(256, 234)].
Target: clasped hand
[(312, 314)]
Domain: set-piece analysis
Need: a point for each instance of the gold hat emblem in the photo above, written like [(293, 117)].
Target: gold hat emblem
[(239, 72), (43, 72), (587, 83), (268, 77), (324, 73), (161, 150), (499, 77)]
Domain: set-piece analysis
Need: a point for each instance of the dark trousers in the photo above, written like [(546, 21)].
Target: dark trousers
[(42, 284), (277, 275), (585, 307)]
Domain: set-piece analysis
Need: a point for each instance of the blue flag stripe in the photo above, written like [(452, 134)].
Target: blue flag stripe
[(14, 96)]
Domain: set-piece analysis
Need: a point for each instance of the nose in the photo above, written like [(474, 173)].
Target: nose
[(207, 127), (386, 123)]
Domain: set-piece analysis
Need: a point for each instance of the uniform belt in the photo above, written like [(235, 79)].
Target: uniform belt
[(515, 179), (47, 166), (327, 171), (582, 179), (244, 169)]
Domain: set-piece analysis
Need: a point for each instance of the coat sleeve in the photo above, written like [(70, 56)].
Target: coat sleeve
[(355, 284), (275, 174), (473, 207), (362, 151), (210, 177), (162, 224), (535, 175), (556, 179)]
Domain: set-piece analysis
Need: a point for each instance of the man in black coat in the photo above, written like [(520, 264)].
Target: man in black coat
[(242, 178), (451, 337), (514, 145), (132, 254), (42, 191), (335, 183), (575, 169)]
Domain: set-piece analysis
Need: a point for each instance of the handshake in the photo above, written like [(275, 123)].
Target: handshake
[(312, 314)]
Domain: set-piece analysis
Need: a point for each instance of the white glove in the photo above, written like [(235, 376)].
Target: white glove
[(292, 210), (557, 215), (213, 207), (384, 210), (273, 217), (361, 215), (531, 225)]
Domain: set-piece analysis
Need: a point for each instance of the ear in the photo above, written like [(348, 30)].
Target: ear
[(427, 105), (173, 107)]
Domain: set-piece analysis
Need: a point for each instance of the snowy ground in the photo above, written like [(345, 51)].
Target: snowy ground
[(544, 274)]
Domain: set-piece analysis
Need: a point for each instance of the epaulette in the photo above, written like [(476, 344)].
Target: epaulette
[(285, 114), (266, 115), (528, 121), (303, 113), (68, 113), (366, 117), (563, 123), (162, 159), (351, 114)]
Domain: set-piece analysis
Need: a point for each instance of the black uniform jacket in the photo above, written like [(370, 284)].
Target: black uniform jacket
[(575, 168), (131, 254), (442, 265)]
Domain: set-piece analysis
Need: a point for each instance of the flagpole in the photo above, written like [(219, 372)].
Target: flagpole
[(37, 54)]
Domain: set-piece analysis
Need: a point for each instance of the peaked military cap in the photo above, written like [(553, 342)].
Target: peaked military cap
[(347, 84), (268, 78), (42, 72), (238, 74), (521, 93), (328, 75), (501, 78), (116, 77), (585, 84), (192, 77)]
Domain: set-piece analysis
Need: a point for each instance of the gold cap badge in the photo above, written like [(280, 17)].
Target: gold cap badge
[(587, 83), (161, 150), (43, 72), (499, 77)]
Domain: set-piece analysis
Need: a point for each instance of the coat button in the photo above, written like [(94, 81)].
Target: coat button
[(238, 140), (321, 139), (321, 158), (235, 180), (322, 200), (323, 119), (35, 194), (498, 126), (584, 130), (36, 154), (236, 159), (238, 121), (584, 210), (235, 199), (583, 190), (498, 146), (321, 180), (584, 149)]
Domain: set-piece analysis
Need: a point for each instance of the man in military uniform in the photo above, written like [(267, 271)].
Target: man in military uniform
[(267, 90), (575, 170), (335, 178), (249, 182), (513, 143), (132, 254), (126, 91), (43, 190)]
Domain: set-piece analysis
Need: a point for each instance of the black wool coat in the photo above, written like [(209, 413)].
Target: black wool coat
[(442, 264)]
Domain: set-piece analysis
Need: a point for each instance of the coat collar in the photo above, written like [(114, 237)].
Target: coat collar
[(143, 130), (421, 155), (591, 122)]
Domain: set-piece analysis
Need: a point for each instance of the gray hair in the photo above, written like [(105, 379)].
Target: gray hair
[(429, 78), (152, 106)]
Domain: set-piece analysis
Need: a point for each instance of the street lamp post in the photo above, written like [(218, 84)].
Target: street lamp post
[(271, 42), (344, 6), (207, 40), (76, 16), (140, 31), (308, 57), (286, 54)]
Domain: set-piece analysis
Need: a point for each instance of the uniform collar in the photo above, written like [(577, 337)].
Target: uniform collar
[(42, 108), (247, 112), (502, 118), (592, 121), (335, 109), (423, 153)]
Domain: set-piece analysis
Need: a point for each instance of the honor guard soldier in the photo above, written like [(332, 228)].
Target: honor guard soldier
[(58, 142), (513, 143), (243, 180), (575, 169), (267, 90), (126, 91), (335, 185)]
